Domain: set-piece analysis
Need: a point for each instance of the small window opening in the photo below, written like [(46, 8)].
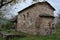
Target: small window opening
[(24, 16), (24, 23), (27, 14)]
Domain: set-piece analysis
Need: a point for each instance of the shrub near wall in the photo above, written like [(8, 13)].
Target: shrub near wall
[(5, 24)]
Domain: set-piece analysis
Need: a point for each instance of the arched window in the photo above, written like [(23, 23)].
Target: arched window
[(27, 14), (24, 16)]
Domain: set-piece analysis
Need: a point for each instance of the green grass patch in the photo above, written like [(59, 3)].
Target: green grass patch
[(55, 36), (1, 38)]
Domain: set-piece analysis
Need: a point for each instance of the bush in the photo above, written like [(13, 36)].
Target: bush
[(5, 24), (57, 26), (9, 25)]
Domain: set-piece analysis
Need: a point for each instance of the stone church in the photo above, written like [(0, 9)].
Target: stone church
[(37, 18)]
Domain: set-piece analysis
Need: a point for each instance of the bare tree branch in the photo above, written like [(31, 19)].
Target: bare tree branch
[(4, 3)]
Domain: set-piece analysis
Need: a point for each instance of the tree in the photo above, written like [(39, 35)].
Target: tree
[(58, 20), (4, 2), (4, 7)]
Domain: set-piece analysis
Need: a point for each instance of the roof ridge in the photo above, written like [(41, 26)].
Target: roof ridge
[(38, 3)]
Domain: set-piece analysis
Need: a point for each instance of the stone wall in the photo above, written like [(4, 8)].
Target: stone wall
[(29, 20)]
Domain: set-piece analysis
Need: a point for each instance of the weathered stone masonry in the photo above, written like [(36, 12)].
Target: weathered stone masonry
[(35, 19)]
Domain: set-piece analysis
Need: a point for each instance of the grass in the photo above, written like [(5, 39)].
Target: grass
[(52, 37), (55, 36), (1, 38)]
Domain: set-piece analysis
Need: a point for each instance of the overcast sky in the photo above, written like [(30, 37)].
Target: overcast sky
[(55, 4)]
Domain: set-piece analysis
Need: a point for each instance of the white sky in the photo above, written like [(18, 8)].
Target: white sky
[(19, 6), (55, 4)]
